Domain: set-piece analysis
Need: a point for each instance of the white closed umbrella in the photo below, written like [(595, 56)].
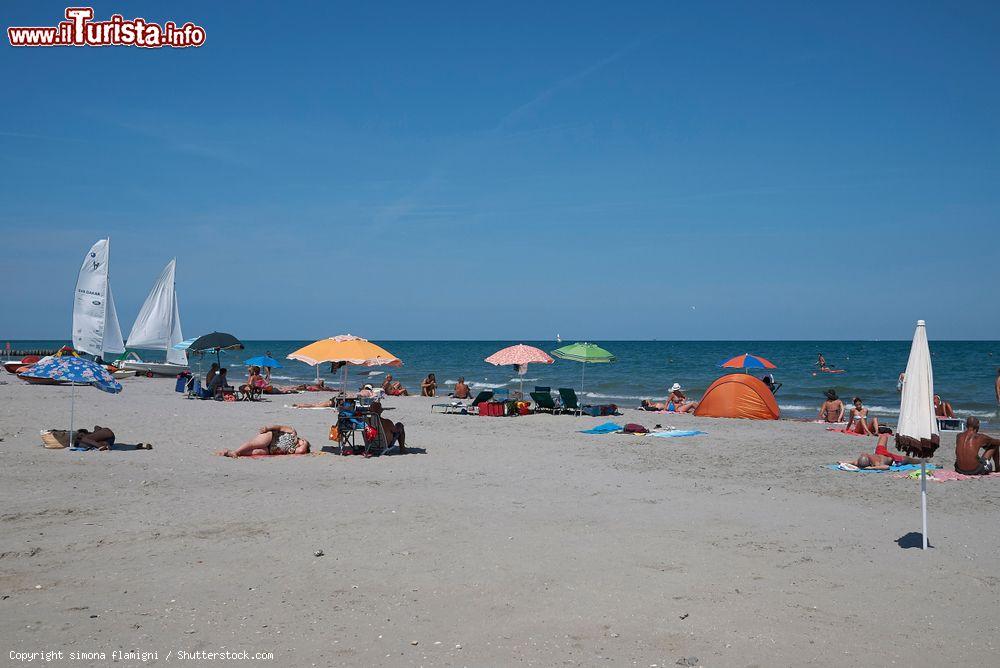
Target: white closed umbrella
[(917, 432)]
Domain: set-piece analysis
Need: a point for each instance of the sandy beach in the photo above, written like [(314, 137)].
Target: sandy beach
[(499, 541)]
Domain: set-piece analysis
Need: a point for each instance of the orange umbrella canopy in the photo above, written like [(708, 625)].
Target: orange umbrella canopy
[(345, 348)]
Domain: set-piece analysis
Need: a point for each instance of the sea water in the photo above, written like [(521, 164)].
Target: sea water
[(964, 371)]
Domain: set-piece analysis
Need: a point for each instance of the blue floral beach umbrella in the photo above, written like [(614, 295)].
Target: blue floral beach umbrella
[(75, 371), (262, 360)]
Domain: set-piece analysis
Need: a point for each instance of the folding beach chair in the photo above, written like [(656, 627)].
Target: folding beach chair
[(501, 394), (543, 402), (569, 400)]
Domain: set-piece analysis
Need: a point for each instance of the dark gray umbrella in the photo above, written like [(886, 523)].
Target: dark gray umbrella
[(215, 342)]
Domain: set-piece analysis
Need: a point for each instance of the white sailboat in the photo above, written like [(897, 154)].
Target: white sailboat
[(95, 321), (158, 327)]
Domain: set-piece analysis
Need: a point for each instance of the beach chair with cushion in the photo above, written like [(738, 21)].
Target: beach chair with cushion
[(570, 402), (544, 402)]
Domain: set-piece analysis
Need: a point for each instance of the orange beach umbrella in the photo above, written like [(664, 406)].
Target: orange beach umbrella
[(345, 348)]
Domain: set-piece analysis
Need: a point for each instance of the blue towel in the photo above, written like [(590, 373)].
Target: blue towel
[(606, 428), (895, 468), (677, 433)]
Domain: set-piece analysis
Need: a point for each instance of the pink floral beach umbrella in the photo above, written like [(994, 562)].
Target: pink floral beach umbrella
[(519, 356)]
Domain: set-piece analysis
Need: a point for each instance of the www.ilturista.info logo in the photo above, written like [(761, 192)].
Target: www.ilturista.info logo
[(79, 29)]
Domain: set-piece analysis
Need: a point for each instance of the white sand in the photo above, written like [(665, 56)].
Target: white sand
[(518, 539)]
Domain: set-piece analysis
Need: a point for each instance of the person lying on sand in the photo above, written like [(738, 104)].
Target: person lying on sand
[(271, 440), (428, 387), (832, 410), (462, 391), (877, 462), (975, 453), (858, 421), (329, 403), (393, 387), (942, 408), (101, 438)]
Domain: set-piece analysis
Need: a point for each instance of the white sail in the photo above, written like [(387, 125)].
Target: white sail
[(176, 356), (113, 342), (95, 322), (158, 325)]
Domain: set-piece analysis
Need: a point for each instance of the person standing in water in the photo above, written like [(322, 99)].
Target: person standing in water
[(821, 362)]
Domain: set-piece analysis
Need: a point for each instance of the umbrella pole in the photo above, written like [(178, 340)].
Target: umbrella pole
[(72, 401), (583, 373), (923, 498), (343, 384)]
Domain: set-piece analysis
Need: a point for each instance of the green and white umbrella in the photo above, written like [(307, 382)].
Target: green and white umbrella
[(585, 353)]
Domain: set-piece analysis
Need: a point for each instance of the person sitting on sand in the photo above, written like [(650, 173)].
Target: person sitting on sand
[(832, 410), (393, 387), (271, 440), (942, 408), (462, 391), (678, 402), (429, 386), (101, 438), (975, 453), (212, 373), (858, 421)]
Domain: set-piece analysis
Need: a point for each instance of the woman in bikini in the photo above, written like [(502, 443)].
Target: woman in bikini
[(858, 421), (832, 410), (271, 440)]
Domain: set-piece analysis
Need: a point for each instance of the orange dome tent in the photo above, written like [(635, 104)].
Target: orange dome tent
[(738, 395)]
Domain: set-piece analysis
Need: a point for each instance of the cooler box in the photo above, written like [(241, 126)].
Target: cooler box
[(492, 409)]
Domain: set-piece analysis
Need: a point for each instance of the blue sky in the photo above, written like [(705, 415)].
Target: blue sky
[(514, 170)]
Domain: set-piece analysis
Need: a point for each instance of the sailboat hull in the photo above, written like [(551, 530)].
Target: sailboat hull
[(155, 368)]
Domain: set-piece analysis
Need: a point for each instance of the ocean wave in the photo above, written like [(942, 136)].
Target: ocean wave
[(476, 383), (597, 395), (518, 379)]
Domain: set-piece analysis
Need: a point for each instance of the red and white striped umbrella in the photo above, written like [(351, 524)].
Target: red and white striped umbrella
[(518, 355)]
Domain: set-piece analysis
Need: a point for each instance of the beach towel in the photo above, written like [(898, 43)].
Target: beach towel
[(311, 408), (677, 433), (606, 428), (895, 468), (948, 475)]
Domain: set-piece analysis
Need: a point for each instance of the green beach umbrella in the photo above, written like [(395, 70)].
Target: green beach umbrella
[(585, 353)]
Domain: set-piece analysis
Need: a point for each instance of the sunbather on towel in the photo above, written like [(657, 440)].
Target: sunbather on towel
[(101, 438), (877, 462), (858, 421), (329, 403), (273, 439), (975, 453), (832, 410)]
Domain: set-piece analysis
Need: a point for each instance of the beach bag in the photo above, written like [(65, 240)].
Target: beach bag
[(633, 428), (334, 433), (370, 433)]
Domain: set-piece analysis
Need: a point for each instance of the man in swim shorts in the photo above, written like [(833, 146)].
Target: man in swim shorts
[(975, 453)]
